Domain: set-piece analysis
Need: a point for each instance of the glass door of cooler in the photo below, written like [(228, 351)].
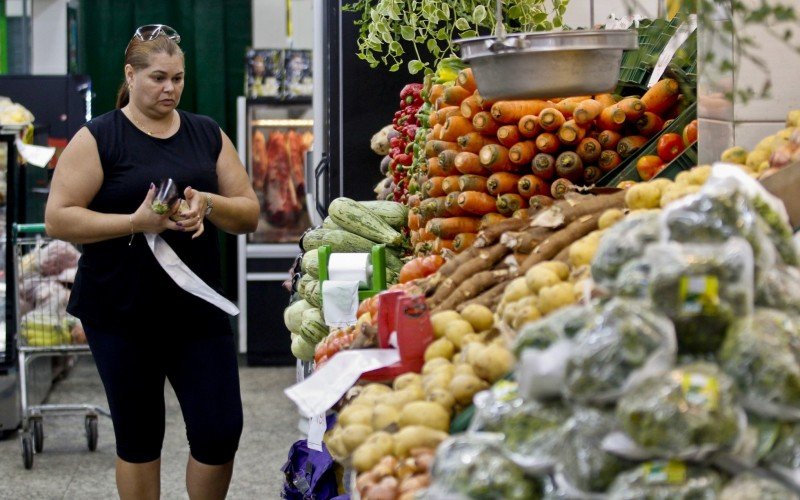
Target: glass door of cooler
[(274, 136)]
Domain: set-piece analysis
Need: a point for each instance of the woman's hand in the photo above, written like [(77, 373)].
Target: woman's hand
[(145, 220), (193, 218)]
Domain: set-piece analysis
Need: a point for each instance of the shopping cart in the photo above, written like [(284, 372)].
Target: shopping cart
[(42, 267)]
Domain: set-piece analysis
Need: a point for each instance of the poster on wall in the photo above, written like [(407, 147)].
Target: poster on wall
[(264, 73)]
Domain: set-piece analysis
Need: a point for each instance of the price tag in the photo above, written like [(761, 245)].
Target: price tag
[(673, 45), (671, 472), (316, 429), (699, 294)]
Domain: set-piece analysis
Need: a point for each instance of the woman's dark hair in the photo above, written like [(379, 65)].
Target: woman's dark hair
[(138, 56)]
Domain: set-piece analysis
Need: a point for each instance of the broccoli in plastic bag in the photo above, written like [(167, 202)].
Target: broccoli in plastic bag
[(626, 341), (702, 289), (688, 412), (784, 457), (472, 466), (779, 288), (750, 486), (623, 242), (583, 464), (762, 355), (671, 480), (563, 323), (633, 279)]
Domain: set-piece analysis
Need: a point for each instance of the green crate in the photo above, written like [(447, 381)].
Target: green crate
[(627, 169)]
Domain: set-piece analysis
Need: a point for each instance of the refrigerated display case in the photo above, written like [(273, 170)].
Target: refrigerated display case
[(274, 137)]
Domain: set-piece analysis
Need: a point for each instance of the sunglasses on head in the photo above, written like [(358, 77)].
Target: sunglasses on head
[(151, 32)]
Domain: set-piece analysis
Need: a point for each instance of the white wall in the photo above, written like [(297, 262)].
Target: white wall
[(269, 24), (49, 37)]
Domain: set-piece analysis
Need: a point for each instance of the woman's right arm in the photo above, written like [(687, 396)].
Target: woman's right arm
[(76, 181)]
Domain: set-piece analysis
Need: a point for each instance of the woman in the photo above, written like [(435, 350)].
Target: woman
[(143, 328)]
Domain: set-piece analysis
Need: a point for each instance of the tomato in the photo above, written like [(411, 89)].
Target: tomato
[(690, 133), (648, 166), (431, 264), (669, 147), (412, 270)]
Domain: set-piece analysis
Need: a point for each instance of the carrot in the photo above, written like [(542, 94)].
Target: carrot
[(485, 104), (591, 175), (522, 213), (484, 123), (567, 106), (551, 119), (470, 107), (611, 118), (440, 117), (455, 94), (560, 188), (529, 126), (508, 135), (609, 160), (522, 153), (491, 219), (434, 169), (589, 150), (454, 127), (661, 96), (450, 227), (436, 92), (571, 133), (463, 241), (569, 166), (502, 183), (439, 245), (422, 248), (512, 111), (633, 107), (450, 184), (476, 203), (469, 163), (510, 202), (606, 99), (471, 182), (451, 204), (414, 200), (414, 219), (431, 208), (630, 145), (447, 162), (609, 139), (544, 166), (437, 130), (548, 143), (494, 157), (466, 79), (649, 124), (474, 141), (425, 235), (434, 148), (540, 201), (433, 187), (530, 185), (587, 111)]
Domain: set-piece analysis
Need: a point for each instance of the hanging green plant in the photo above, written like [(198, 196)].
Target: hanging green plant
[(388, 27)]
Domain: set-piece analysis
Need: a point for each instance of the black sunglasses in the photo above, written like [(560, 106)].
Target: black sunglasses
[(151, 32)]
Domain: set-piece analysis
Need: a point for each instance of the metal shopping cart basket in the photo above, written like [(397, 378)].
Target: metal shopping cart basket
[(42, 267)]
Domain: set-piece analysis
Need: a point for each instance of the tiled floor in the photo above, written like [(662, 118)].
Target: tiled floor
[(67, 470)]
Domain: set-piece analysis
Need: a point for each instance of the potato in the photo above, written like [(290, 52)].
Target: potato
[(558, 267), (471, 350), (610, 217), (355, 414), (375, 388), (463, 387), (434, 363), (515, 290), (440, 348), (437, 380), (642, 196), (376, 446), (677, 192), (793, 118), (493, 363), (555, 297), (683, 179), (416, 436), (456, 330), (463, 369), (582, 251), (735, 154), (441, 319), (399, 399), (425, 413), (336, 447), (661, 184), (526, 311), (354, 435), (442, 396), (699, 175), (405, 380), (479, 316), (449, 368), (385, 415), (538, 277), (386, 489)]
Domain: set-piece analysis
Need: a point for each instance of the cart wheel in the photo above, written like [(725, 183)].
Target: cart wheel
[(91, 432), (27, 451), (38, 435)]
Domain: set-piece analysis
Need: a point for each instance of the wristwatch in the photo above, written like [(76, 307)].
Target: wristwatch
[(209, 205)]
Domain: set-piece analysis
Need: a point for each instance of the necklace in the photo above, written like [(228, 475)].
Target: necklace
[(150, 131)]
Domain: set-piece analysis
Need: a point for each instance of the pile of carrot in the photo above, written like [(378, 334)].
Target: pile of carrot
[(489, 161)]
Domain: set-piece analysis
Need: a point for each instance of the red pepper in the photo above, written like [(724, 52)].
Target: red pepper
[(404, 159), (412, 90), (395, 151), (411, 131)]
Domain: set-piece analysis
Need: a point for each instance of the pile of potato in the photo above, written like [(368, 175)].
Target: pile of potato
[(770, 153), (401, 479)]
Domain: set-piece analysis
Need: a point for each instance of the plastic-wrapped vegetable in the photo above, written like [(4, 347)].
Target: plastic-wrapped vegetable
[(583, 464), (563, 323), (784, 457), (702, 289), (750, 486), (762, 355), (626, 342), (472, 466), (686, 413), (623, 242), (165, 197), (633, 279), (779, 288), (666, 481)]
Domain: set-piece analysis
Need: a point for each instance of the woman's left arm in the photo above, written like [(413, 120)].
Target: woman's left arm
[(235, 209)]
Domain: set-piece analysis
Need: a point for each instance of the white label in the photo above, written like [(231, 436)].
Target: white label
[(316, 429)]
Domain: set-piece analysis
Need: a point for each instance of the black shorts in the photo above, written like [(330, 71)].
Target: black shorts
[(203, 372)]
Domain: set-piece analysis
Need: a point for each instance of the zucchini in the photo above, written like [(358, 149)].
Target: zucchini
[(354, 217), (302, 350), (313, 328), (302, 283), (310, 263), (393, 213), (314, 294), (293, 315), (329, 224), (342, 241)]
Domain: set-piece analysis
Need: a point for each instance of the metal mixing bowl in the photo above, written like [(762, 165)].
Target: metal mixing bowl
[(547, 64)]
